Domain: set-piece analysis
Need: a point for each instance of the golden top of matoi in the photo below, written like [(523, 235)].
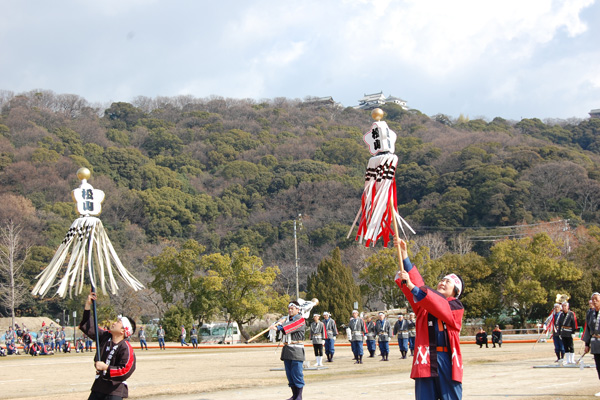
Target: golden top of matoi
[(83, 173), (377, 114)]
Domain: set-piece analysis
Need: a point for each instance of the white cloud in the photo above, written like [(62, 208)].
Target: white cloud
[(438, 55)]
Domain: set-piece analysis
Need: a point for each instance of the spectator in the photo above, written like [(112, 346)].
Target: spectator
[(182, 336), (142, 337), (61, 337), (497, 336), (481, 338), (27, 339), (34, 350), (412, 333), (11, 348), (79, 346), (160, 334), (194, 336), (88, 343)]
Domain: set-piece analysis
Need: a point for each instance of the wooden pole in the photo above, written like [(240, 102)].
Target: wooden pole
[(396, 234), (264, 331)]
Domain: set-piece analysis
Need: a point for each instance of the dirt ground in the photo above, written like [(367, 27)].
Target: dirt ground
[(245, 373)]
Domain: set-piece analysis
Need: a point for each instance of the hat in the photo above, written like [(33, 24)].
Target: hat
[(380, 313), (354, 311), (326, 313)]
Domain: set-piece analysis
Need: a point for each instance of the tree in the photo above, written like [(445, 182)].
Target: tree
[(246, 290), (378, 282), (480, 294), (335, 287), (529, 271), (13, 254), (176, 316), (181, 279)]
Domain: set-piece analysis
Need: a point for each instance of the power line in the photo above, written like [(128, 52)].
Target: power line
[(493, 238), (450, 228)]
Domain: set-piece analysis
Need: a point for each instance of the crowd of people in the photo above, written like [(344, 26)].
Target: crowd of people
[(47, 341)]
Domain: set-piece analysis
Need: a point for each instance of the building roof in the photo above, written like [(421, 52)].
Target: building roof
[(392, 98)]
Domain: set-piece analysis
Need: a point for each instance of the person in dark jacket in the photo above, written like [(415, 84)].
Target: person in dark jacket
[(292, 353), (567, 325), (117, 359), (481, 338), (332, 332), (497, 336), (591, 335)]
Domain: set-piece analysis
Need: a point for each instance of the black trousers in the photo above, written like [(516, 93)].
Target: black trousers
[(597, 359), (102, 396), (318, 350), (568, 343)]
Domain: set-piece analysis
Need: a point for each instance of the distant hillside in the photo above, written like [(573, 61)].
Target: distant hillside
[(232, 173)]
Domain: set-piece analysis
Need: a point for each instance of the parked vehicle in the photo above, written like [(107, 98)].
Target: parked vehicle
[(215, 333)]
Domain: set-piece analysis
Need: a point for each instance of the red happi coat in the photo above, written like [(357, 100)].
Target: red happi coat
[(448, 311)]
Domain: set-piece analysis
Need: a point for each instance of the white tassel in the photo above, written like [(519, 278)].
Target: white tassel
[(83, 231)]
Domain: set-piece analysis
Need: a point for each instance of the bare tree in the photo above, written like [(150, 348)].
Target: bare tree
[(435, 242), (461, 245), (13, 254)]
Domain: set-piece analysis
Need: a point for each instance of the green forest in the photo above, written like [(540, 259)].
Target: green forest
[(202, 197)]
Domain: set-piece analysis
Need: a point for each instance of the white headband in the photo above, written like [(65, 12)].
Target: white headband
[(126, 325), (294, 305), (457, 283)]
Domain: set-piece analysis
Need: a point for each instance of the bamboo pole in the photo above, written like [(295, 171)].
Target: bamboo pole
[(264, 331)]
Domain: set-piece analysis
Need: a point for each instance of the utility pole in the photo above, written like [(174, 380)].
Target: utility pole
[(296, 252), (566, 230)]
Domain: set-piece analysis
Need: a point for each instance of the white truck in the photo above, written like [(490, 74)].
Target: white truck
[(215, 333)]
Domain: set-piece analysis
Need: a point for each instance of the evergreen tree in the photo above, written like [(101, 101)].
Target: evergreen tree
[(335, 288)]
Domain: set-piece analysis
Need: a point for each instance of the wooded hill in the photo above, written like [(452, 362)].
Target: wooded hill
[(234, 173)]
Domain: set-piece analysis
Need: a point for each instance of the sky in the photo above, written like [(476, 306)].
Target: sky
[(483, 59)]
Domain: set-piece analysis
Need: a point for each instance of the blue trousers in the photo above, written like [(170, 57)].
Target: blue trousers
[(403, 344), (558, 345), (161, 342), (384, 347), (143, 344), (441, 387), (294, 373), (411, 342), (357, 347), (371, 346), (329, 346)]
